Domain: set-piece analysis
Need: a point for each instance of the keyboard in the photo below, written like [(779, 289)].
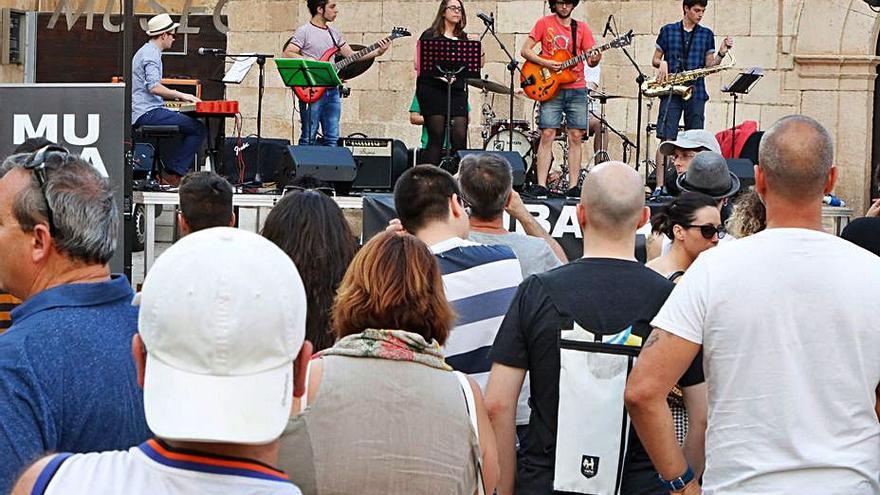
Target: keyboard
[(218, 108)]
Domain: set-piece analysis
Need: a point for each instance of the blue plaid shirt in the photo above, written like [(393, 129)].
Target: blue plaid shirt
[(671, 41)]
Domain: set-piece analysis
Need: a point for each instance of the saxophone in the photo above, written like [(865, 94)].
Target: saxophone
[(675, 83)]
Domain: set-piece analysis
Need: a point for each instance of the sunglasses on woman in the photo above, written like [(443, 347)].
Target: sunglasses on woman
[(709, 231)]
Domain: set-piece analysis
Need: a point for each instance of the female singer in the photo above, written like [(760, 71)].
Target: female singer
[(449, 23)]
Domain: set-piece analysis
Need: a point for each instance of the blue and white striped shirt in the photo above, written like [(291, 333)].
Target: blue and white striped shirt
[(480, 282)]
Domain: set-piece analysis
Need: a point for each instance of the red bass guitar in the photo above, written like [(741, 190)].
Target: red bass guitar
[(542, 83), (311, 94)]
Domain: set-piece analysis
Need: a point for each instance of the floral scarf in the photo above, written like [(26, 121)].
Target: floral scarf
[(396, 345)]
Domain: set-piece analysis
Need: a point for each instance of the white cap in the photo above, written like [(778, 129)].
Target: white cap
[(222, 316), (692, 139)]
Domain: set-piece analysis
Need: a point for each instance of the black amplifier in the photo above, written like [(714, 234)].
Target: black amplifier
[(380, 161)]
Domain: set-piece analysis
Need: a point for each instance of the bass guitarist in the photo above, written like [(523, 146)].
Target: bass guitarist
[(311, 41), (554, 32)]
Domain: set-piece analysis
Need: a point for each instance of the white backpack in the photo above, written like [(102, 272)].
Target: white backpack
[(593, 424)]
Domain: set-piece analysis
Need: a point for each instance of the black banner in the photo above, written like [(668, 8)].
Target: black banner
[(558, 216), (87, 119)]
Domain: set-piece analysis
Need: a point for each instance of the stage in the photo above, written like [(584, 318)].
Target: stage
[(369, 214)]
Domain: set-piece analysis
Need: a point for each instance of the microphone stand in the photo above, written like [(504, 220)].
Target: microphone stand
[(261, 86), (640, 79), (512, 68)]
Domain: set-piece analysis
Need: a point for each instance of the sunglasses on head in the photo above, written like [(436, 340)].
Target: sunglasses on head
[(464, 204), (709, 231), (326, 190), (36, 163)]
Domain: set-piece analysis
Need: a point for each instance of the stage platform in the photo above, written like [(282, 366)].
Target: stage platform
[(369, 214)]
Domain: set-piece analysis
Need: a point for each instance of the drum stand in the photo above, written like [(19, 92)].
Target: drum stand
[(602, 155), (488, 114), (649, 128)]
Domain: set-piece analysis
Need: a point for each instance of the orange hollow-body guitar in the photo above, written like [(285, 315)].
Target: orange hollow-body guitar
[(542, 83)]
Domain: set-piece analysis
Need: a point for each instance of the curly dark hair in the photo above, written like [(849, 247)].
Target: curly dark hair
[(312, 230)]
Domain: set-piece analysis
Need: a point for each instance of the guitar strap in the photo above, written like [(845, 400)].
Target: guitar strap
[(686, 43), (333, 38), (574, 37)]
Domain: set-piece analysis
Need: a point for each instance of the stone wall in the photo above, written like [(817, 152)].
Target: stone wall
[(819, 58)]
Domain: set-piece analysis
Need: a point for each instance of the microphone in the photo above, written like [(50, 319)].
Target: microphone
[(211, 51), (607, 26), (487, 20)]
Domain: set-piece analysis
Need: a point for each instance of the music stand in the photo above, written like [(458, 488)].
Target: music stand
[(449, 59), (299, 72), (741, 85)]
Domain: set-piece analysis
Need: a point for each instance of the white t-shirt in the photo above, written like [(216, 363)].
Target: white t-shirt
[(155, 468), (788, 320)]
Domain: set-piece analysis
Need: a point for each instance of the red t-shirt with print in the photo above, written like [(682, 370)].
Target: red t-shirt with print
[(554, 35)]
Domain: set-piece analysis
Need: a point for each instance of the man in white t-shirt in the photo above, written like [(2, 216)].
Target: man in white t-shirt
[(791, 344), (220, 354)]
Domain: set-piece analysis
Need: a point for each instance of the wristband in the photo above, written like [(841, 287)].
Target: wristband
[(677, 484)]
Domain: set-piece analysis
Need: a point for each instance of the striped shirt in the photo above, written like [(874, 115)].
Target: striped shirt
[(7, 303), (154, 467), (480, 281)]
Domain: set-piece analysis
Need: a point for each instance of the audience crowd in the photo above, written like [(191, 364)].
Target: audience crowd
[(447, 355)]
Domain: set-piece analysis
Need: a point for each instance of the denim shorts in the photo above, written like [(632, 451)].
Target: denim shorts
[(572, 103)]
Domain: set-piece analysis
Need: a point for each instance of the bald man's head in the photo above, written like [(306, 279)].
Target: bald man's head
[(613, 198), (796, 156)]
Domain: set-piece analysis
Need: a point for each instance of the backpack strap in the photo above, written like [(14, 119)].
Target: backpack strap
[(472, 415)]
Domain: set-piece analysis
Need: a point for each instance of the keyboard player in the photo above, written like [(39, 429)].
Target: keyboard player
[(148, 96)]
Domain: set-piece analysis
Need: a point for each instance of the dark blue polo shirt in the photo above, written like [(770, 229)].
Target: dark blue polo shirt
[(67, 380)]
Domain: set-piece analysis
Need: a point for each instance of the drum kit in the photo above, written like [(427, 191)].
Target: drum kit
[(523, 136)]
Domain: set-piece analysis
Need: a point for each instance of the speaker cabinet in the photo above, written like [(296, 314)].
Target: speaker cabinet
[(325, 163), (744, 169), (517, 164), (272, 151), (380, 162)]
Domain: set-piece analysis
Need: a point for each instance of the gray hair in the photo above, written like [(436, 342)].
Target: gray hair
[(796, 154), (486, 181), (83, 210)]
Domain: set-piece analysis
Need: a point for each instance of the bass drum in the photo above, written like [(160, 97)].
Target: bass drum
[(523, 143)]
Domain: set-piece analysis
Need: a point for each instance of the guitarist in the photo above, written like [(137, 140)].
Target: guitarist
[(311, 41), (554, 32)]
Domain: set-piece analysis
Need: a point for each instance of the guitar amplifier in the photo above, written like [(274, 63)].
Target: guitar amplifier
[(380, 161), (271, 149)]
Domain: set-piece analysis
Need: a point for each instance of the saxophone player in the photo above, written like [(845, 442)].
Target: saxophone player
[(684, 45)]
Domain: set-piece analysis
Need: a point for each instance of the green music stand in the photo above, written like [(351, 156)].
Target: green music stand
[(299, 72)]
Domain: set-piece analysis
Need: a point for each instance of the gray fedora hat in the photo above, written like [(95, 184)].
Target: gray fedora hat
[(708, 174)]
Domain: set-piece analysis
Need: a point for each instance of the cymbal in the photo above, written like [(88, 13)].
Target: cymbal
[(355, 68), (490, 86)]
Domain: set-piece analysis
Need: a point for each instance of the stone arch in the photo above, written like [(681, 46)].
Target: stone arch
[(833, 47)]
